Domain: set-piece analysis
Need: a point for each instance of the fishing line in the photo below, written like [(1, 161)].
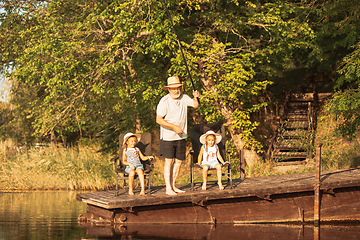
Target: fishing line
[(179, 43)]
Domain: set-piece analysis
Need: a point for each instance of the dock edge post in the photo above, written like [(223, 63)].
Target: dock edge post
[(317, 187)]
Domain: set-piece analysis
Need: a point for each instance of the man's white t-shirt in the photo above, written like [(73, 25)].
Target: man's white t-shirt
[(175, 112)]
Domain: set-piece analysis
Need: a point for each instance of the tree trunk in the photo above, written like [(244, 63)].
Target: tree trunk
[(137, 124), (250, 155)]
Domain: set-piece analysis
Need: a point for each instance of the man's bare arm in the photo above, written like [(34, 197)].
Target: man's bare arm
[(161, 121), (195, 103)]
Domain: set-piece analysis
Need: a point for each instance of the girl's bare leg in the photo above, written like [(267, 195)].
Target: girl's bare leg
[(205, 173), (131, 181), (140, 173), (219, 175)]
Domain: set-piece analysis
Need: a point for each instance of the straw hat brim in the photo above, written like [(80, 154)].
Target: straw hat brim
[(173, 82), (172, 86), (203, 137), (128, 135)]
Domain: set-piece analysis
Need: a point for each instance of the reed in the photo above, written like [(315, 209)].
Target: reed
[(55, 167)]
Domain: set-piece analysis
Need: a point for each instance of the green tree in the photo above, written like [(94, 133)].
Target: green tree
[(79, 58), (91, 68), (341, 26), (236, 50)]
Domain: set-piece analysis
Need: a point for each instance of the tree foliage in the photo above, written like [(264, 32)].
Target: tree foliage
[(78, 60), (92, 68), (342, 22)]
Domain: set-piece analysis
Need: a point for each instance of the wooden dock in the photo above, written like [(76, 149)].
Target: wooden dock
[(272, 199)]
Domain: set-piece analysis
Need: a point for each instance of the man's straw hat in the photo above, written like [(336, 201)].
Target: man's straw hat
[(173, 82)]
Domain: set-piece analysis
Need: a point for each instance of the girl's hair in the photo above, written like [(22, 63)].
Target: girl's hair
[(206, 145), (206, 139), (126, 144)]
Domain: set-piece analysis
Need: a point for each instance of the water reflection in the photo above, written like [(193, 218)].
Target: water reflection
[(225, 231), (40, 215)]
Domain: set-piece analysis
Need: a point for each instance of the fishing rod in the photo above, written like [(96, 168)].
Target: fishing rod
[(179, 43)]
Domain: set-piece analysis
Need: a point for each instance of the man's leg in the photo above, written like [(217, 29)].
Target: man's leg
[(168, 172), (176, 169)]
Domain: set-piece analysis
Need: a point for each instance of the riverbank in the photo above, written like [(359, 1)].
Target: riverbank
[(54, 167)]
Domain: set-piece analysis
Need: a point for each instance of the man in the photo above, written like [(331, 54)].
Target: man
[(171, 115)]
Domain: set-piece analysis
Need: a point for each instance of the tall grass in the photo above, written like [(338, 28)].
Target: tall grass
[(54, 167), (338, 151)]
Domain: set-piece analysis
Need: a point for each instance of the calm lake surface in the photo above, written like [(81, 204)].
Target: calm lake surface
[(40, 215), (53, 215)]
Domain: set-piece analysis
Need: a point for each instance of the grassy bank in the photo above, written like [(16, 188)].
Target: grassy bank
[(54, 167), (338, 152)]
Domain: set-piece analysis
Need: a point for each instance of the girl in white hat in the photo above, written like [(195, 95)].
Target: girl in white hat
[(131, 159), (209, 155)]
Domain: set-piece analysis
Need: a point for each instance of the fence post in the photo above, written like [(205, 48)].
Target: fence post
[(242, 164), (317, 187)]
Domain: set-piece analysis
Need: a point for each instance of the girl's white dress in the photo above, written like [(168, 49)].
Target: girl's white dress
[(209, 156)]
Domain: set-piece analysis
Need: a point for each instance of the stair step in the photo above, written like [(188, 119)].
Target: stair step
[(299, 103), (302, 96), (294, 135), (298, 119), (288, 145), (291, 162), (297, 114), (289, 155), (297, 110), (304, 110), (296, 125)]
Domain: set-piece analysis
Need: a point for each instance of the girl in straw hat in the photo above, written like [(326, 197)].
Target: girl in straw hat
[(209, 155), (131, 159)]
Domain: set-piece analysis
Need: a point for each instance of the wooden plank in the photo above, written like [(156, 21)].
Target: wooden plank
[(100, 212)]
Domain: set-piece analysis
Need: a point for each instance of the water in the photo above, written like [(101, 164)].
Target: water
[(53, 215), (40, 215)]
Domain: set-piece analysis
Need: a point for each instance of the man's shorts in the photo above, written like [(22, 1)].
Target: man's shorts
[(127, 169), (173, 149), (211, 164)]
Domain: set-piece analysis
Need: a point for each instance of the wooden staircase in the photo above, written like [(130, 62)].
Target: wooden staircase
[(294, 136)]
